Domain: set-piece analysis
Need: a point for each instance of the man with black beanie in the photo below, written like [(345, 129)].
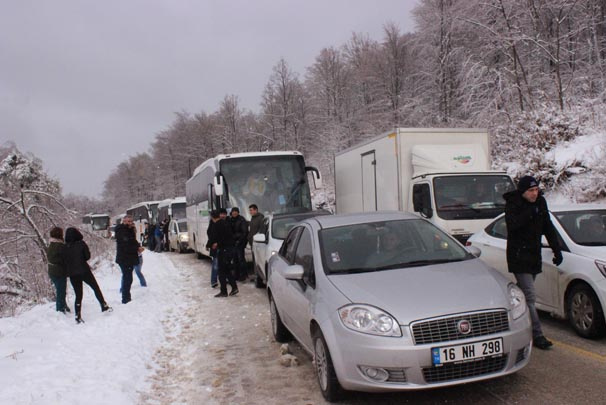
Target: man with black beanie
[(527, 218)]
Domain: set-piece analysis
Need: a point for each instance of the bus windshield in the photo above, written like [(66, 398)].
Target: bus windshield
[(471, 197), (178, 210), (274, 183), (100, 223)]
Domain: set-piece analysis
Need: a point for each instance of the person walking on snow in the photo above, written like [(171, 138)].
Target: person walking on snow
[(527, 218), (127, 254), (76, 255), (56, 268)]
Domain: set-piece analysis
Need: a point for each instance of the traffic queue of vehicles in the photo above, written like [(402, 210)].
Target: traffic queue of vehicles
[(392, 300)]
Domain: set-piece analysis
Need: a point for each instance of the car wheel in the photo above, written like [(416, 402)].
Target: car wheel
[(281, 334), (585, 312), (325, 371), (179, 248)]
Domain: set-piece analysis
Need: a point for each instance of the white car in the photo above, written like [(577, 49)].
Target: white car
[(266, 244), (576, 289), (177, 235)]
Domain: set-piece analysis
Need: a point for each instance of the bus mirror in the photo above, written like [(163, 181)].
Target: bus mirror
[(315, 174), (218, 184)]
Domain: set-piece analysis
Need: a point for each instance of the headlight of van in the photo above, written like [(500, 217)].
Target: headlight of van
[(517, 301), (184, 238), (367, 319)]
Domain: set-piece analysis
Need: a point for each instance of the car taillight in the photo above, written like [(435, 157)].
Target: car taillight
[(468, 243)]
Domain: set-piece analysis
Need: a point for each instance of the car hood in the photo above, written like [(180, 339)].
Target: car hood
[(592, 252), (415, 293)]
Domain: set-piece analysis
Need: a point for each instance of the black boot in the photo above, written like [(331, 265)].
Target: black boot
[(78, 308), (105, 307)]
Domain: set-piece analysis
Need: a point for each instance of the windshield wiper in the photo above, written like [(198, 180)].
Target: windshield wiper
[(354, 270), (592, 243), (415, 263)]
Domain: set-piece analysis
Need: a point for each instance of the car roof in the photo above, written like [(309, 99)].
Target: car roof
[(332, 221)]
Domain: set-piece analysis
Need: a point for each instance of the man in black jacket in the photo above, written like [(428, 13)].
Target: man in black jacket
[(224, 243), (127, 254), (239, 228), (527, 218)]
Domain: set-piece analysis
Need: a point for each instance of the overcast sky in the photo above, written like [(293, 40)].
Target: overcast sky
[(86, 84)]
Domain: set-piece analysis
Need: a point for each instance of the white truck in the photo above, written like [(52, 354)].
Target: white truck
[(441, 174)]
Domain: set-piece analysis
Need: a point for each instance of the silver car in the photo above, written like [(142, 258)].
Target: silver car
[(386, 301)]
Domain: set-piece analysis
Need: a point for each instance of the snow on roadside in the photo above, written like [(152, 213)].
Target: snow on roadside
[(46, 358)]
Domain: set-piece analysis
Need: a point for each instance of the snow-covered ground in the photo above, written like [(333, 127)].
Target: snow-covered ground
[(173, 344), (46, 358)]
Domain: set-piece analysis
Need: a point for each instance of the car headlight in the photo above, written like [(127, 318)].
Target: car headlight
[(183, 238), (517, 301), (601, 266), (368, 319)]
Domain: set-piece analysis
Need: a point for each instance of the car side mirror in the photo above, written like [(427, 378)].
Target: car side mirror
[(294, 272), (259, 238), (474, 250)]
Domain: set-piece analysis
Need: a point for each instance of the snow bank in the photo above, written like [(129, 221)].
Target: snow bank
[(46, 358)]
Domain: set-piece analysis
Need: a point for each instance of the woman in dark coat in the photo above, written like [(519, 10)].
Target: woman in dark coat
[(56, 268), (76, 256)]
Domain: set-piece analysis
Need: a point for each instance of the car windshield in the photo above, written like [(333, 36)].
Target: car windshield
[(280, 226), (585, 228), (182, 226), (387, 245)]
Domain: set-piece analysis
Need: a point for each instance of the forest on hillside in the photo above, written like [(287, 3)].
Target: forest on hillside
[(532, 72)]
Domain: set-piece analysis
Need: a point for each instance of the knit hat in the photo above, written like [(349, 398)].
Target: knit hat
[(527, 182)]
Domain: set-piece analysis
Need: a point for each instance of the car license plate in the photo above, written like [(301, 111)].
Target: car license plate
[(467, 352)]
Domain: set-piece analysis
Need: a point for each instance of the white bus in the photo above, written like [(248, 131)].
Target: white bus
[(97, 224), (142, 213), (274, 181), (172, 208)]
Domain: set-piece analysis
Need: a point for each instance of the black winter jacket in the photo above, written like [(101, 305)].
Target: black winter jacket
[(127, 247), (222, 234), (526, 222), (56, 259), (76, 255), (239, 228)]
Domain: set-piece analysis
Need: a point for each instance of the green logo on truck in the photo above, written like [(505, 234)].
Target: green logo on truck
[(463, 159)]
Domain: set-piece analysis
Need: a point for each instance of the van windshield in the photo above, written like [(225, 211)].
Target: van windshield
[(471, 197)]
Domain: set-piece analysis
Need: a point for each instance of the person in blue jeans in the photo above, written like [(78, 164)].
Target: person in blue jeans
[(127, 254), (56, 268), (137, 269)]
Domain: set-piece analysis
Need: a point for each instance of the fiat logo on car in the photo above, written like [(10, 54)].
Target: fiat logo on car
[(464, 326)]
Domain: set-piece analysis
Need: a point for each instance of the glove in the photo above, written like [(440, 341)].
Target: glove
[(557, 258)]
